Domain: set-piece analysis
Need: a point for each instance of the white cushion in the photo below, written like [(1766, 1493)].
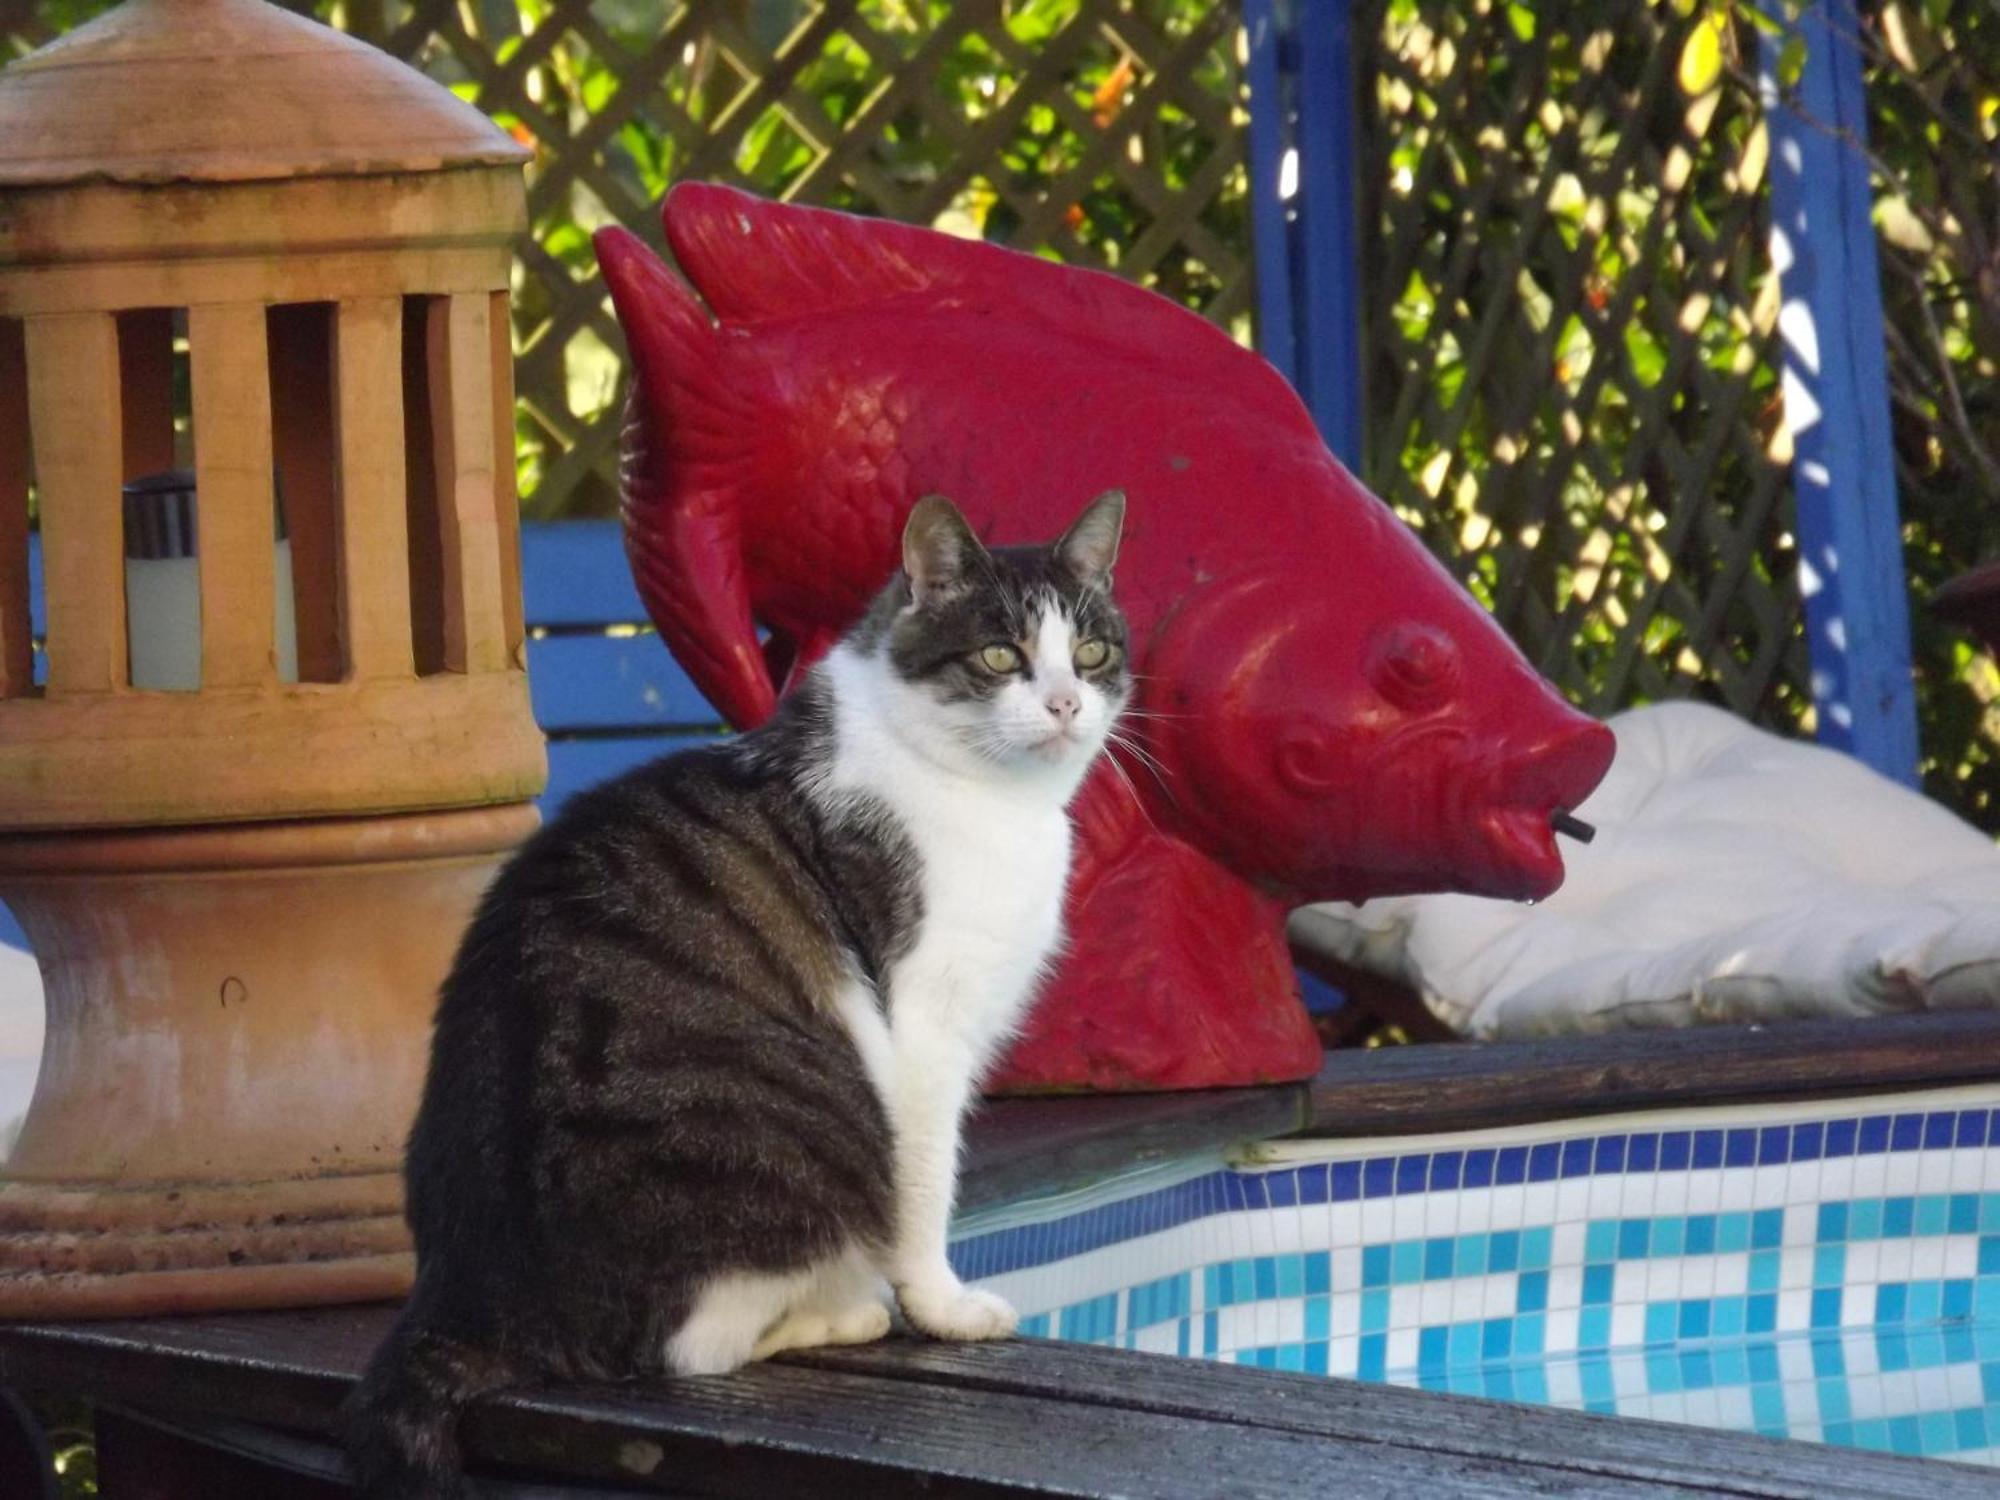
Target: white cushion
[(1735, 876)]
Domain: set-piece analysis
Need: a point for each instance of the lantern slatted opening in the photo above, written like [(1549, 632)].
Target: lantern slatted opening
[(256, 386)]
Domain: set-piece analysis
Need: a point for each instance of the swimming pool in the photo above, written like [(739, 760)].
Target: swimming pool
[(1826, 1271)]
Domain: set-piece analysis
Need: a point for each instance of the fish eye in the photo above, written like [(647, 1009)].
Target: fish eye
[(1091, 655), (1414, 666), (1000, 660)]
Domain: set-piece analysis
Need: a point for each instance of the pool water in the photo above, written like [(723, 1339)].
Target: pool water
[(1825, 1271)]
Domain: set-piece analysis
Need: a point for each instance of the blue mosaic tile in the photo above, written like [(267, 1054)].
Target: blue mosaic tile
[(1727, 1341)]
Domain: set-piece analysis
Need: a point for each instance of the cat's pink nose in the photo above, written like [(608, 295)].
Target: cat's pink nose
[(1063, 706)]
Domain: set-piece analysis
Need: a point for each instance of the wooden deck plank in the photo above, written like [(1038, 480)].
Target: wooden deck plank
[(786, 1430), (1596, 1448), (1410, 1090)]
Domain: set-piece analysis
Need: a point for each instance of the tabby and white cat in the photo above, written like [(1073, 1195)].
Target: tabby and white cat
[(698, 1071)]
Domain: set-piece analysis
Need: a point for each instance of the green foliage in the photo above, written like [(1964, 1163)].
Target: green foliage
[(1571, 341)]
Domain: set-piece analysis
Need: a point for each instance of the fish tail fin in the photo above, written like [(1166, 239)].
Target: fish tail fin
[(401, 1423), (681, 504)]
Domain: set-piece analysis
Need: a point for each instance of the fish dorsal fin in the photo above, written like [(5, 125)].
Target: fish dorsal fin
[(757, 261)]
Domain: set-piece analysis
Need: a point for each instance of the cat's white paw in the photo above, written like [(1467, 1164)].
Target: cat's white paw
[(952, 1310), (863, 1323)]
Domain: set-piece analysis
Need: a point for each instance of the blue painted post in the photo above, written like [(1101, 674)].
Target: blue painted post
[(1270, 202), (1327, 257), (1836, 397), (1302, 181)]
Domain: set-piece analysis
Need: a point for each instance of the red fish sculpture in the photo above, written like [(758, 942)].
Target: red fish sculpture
[(1323, 713)]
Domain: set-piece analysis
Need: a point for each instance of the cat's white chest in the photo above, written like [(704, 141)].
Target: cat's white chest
[(992, 871)]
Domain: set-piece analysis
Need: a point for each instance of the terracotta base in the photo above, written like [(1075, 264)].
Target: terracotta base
[(238, 1024)]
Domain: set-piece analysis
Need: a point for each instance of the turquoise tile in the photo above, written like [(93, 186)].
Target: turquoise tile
[(1732, 1232), (1727, 1317), (1701, 1234), (1374, 1265), (1835, 1401), (1926, 1303), (1462, 1345), (1374, 1356), (1291, 1275), (1989, 1213), (1906, 1435), (1292, 1357), (1986, 1302), (1764, 1271), (1263, 1281), (1969, 1424), (1767, 1409), (1438, 1258), (1536, 1246), (1732, 1365), (1530, 1335), (1593, 1328), (1962, 1216), (1319, 1272), (1634, 1237), (1663, 1372), (1669, 1235), (1531, 1291), (1406, 1262), (1211, 1284), (1933, 1213), (1829, 1265), (1594, 1376), (1319, 1317), (1898, 1216), (1864, 1219), (1600, 1241), (1873, 1433), (1431, 1348), (1832, 1228), (1662, 1322), (1531, 1384), (1374, 1312), (1471, 1255)]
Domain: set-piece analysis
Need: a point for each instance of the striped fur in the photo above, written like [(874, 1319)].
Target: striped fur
[(698, 1069)]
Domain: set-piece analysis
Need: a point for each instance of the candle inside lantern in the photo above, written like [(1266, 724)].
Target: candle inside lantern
[(163, 586)]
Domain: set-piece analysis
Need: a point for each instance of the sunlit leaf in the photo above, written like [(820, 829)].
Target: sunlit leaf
[(1701, 55)]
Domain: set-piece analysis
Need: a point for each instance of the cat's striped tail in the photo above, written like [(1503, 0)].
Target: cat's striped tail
[(401, 1423)]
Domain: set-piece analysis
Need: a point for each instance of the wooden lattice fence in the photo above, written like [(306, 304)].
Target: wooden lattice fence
[(1572, 393), (1570, 313)]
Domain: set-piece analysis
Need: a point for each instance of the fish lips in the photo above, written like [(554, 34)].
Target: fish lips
[(1511, 851)]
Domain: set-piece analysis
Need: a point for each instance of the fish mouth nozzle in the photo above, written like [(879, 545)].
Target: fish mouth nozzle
[(1563, 821)]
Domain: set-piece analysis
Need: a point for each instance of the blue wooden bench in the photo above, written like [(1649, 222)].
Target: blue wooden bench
[(606, 692)]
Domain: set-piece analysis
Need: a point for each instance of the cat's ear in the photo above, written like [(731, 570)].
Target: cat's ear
[(1090, 546), (939, 549)]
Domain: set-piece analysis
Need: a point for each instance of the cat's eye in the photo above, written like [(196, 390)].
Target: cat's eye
[(1000, 659), (1091, 655)]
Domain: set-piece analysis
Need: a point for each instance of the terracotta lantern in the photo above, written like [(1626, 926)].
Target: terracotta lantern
[(255, 271)]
